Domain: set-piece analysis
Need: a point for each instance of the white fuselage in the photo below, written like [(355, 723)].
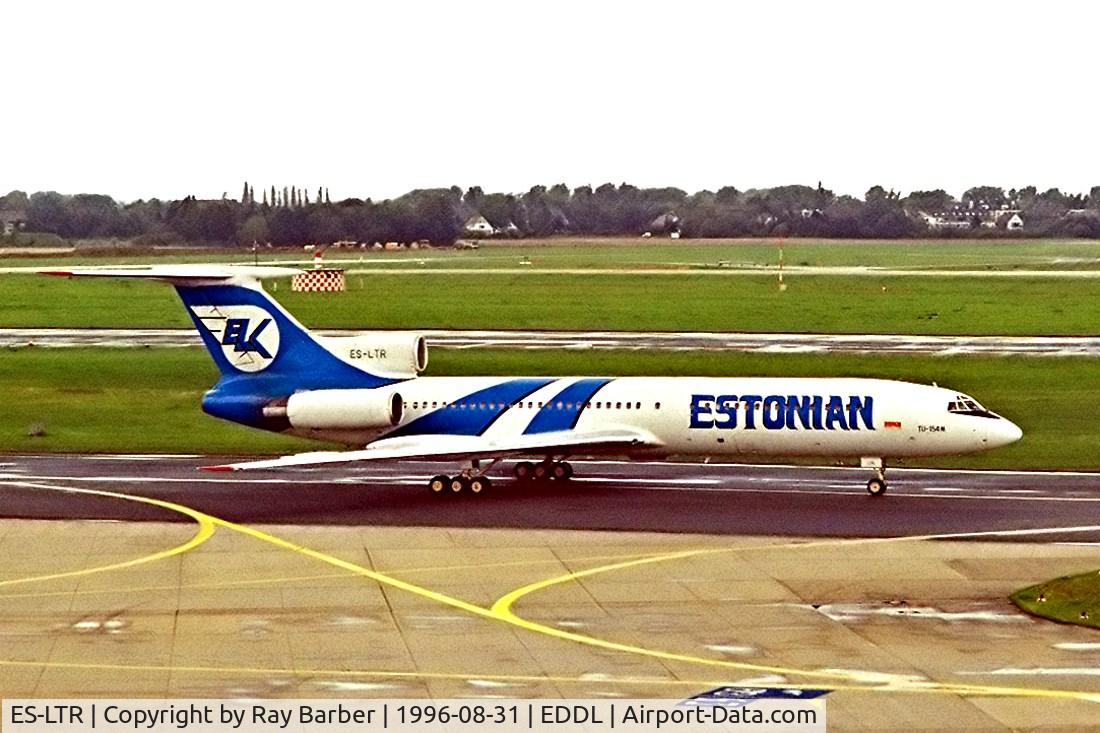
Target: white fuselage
[(703, 416)]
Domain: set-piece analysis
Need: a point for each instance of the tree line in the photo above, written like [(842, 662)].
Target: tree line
[(295, 216)]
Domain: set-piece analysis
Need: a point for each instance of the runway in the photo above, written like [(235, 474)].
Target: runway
[(720, 499), (1056, 346)]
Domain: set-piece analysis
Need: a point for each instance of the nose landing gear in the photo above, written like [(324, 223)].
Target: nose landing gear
[(876, 486)]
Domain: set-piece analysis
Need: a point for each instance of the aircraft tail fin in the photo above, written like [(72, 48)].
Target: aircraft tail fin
[(261, 350)]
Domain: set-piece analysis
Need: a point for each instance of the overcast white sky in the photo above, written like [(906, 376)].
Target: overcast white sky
[(142, 99)]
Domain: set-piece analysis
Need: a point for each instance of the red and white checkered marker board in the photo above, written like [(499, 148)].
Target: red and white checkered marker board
[(319, 281)]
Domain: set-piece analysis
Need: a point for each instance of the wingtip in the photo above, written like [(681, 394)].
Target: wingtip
[(216, 468), (57, 273)]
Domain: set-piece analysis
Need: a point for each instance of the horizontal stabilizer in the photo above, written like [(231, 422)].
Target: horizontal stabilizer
[(461, 447), (181, 274)]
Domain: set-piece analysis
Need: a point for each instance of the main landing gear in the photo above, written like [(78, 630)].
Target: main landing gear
[(876, 486), (459, 484), (525, 471), (472, 480)]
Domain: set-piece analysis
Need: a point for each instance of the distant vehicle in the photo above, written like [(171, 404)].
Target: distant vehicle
[(364, 391), (466, 244)]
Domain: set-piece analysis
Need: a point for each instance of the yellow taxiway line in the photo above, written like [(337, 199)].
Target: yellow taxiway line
[(206, 526)]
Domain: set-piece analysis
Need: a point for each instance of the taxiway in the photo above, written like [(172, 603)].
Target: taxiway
[(713, 498), (616, 340)]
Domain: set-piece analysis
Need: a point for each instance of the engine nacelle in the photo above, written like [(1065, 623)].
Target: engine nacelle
[(342, 409), (394, 353)]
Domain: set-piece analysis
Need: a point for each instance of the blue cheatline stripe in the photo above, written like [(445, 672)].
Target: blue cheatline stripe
[(572, 400), (476, 418)]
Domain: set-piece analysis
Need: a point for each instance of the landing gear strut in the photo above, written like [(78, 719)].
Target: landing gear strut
[(876, 486)]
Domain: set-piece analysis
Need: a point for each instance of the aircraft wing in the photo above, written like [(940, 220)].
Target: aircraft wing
[(462, 447)]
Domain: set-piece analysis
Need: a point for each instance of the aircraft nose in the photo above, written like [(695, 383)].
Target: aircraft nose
[(1006, 432)]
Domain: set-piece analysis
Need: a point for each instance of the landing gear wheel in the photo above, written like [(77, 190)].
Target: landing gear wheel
[(438, 484), (459, 484), (876, 487), (524, 471), (479, 484), (542, 470), (561, 471)]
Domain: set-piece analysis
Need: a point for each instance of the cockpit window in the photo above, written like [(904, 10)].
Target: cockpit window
[(963, 405)]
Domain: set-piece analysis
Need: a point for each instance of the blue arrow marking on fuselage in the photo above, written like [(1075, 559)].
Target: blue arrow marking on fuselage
[(563, 412), (472, 414)]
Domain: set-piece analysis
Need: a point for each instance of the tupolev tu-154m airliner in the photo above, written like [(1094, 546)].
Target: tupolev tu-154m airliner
[(365, 391)]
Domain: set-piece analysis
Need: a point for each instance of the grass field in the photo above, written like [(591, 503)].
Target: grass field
[(1073, 599), (578, 285), (690, 302), (148, 400)]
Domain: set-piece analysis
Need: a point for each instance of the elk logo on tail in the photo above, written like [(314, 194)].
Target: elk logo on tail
[(247, 334)]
